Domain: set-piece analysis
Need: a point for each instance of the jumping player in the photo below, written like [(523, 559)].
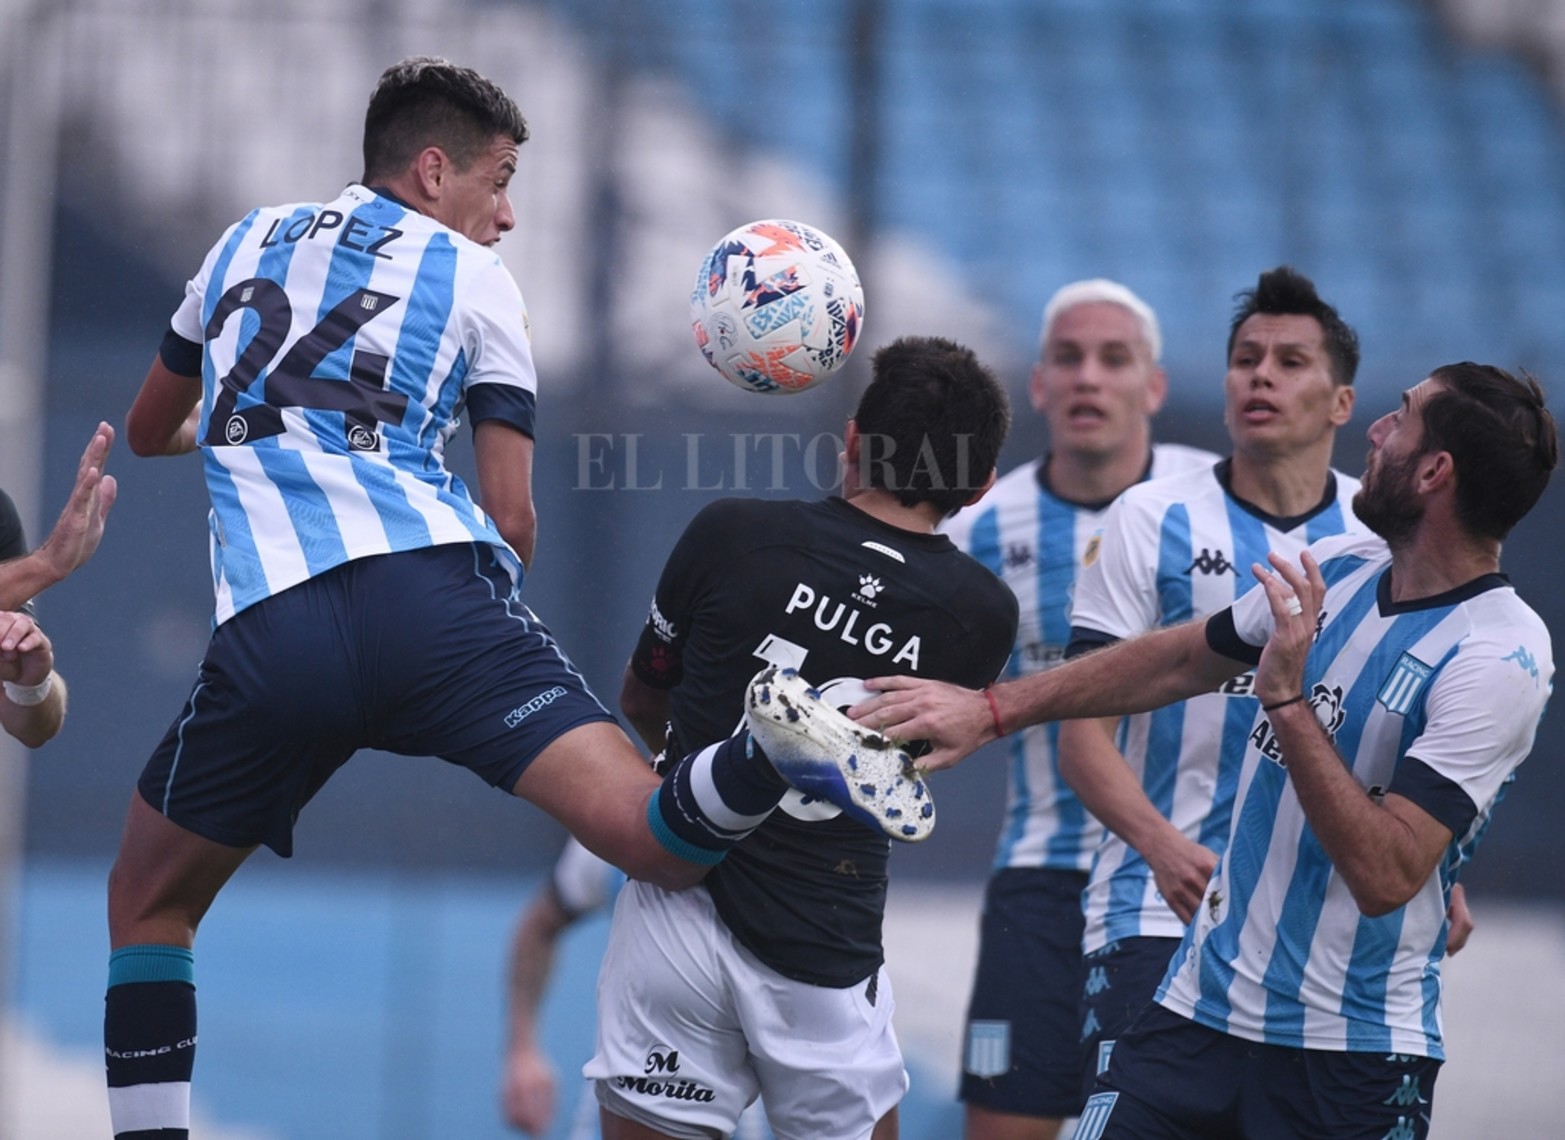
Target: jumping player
[(320, 360)]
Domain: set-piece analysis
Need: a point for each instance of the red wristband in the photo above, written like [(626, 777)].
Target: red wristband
[(994, 712)]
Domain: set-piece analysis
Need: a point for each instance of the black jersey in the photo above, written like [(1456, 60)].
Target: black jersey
[(13, 543), (840, 596)]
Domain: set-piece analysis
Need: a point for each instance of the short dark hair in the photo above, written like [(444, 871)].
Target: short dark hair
[(931, 422), (425, 101), (1285, 291), (1501, 437)]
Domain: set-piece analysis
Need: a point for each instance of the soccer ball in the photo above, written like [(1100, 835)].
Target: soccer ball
[(777, 307)]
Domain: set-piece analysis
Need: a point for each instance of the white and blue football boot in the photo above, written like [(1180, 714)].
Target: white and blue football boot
[(824, 754)]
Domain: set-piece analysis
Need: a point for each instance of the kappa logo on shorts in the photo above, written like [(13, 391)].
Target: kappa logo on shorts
[(542, 700), (988, 1048), (660, 1077)]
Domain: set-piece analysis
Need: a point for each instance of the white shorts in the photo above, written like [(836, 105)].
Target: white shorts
[(691, 1028)]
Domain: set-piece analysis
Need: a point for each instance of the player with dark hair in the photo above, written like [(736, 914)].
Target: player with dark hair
[(769, 979), (419, 104), (1285, 292), (320, 360), (1400, 682), (32, 705), (1098, 383), (1173, 550), (900, 452)]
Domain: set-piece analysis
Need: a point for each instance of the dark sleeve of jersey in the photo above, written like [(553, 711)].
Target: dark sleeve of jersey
[(996, 636), (13, 539), (1441, 797), (180, 356), (1085, 640), (1224, 639), (13, 542), (504, 402), (658, 660)]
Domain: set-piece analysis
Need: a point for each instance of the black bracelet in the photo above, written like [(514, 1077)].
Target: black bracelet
[(1283, 704)]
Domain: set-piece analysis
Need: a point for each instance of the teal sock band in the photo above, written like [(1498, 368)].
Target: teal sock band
[(152, 964), (673, 844)]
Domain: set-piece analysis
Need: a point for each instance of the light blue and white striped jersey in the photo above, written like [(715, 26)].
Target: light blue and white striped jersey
[(1457, 683), (341, 344), (1036, 542), (1173, 550)]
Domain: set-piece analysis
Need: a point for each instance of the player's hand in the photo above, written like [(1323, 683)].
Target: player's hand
[(1459, 919), (1295, 595), (1182, 868), (527, 1093), (26, 655), (78, 531), (954, 720)]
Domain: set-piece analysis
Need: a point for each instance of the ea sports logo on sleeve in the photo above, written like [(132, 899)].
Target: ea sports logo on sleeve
[(361, 438)]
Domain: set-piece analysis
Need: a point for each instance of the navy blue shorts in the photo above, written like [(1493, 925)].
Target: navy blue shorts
[(423, 653), (1172, 1079), (1022, 1053), (1121, 979)]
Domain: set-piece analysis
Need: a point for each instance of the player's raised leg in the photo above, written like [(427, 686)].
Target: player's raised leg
[(671, 831), (824, 754)]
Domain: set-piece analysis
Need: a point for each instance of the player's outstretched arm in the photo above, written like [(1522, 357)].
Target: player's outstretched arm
[(528, 1082), (646, 708), (76, 533), (1142, 673), (32, 702)]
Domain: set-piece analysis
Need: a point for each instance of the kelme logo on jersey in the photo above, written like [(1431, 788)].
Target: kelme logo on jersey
[(869, 586), (839, 617), (660, 1078)]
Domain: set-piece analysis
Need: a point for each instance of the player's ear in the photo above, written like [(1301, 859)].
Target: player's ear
[(1342, 404), (430, 169), (1157, 391), (850, 443), (1436, 469)]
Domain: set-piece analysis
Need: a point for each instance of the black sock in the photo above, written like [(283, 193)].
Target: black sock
[(714, 798), (149, 1038)]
